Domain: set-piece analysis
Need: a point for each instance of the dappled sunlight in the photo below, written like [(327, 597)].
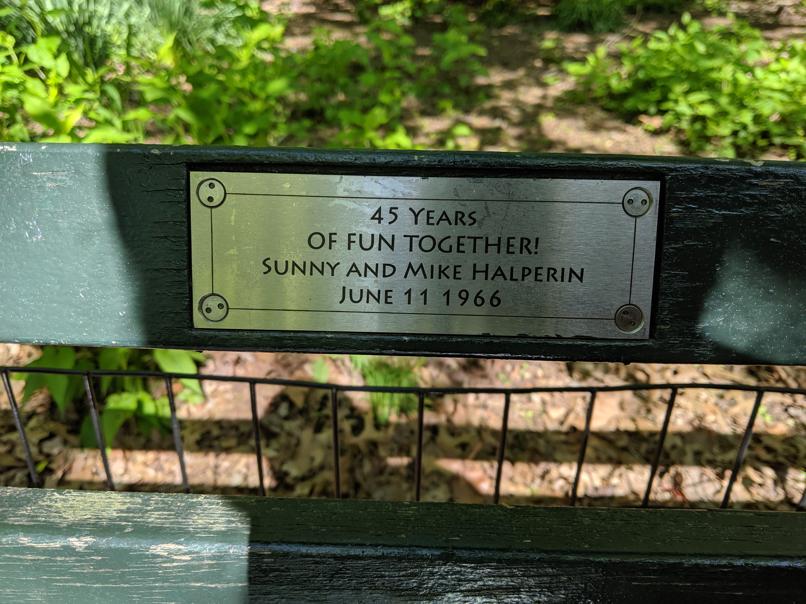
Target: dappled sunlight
[(544, 483), (743, 310)]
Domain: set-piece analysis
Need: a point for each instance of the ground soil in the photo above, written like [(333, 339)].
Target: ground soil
[(462, 433)]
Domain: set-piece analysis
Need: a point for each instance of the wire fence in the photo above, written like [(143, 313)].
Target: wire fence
[(422, 393)]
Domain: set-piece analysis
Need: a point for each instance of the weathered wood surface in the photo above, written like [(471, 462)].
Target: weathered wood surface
[(102, 547), (94, 248)]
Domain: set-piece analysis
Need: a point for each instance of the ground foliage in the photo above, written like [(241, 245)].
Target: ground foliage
[(609, 15), (105, 81), (198, 71), (725, 89), (126, 398)]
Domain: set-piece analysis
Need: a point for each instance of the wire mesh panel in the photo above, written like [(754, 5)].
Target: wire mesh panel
[(333, 392)]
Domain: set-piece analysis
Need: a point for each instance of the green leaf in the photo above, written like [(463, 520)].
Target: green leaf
[(320, 369), (461, 129), (182, 361), (86, 435), (62, 65), (43, 51), (150, 407), (112, 359), (70, 118), (42, 111), (108, 134), (111, 422), (124, 401), (58, 386), (167, 53)]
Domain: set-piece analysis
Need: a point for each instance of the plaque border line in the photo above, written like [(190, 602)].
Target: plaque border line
[(454, 199), (632, 261), (212, 254), (434, 314), (400, 313)]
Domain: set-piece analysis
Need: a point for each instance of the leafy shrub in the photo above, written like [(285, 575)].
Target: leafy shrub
[(450, 80), (124, 398), (339, 93), (593, 15), (228, 96), (726, 90), (93, 31), (196, 26), (402, 12), (240, 86), (607, 15), (406, 12), (96, 33), (46, 97), (352, 94)]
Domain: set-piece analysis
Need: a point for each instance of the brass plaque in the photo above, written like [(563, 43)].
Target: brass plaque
[(540, 257)]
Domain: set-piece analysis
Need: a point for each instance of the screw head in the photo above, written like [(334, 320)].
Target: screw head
[(636, 202), (214, 307), (211, 192), (629, 318)]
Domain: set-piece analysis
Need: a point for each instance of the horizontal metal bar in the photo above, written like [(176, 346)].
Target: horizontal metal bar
[(428, 391)]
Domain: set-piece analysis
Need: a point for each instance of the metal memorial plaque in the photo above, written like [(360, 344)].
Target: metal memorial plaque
[(538, 257)]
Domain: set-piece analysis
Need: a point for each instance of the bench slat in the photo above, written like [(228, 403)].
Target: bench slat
[(90, 546), (94, 250)]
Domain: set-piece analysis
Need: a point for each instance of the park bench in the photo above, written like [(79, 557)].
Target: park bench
[(572, 257)]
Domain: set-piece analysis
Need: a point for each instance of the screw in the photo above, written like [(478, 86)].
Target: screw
[(214, 307), (216, 192), (636, 202), (629, 318)]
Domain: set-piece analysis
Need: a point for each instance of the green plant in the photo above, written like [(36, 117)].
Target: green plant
[(593, 15), (124, 398), (384, 371), (45, 97), (450, 80), (97, 33), (231, 96), (339, 93), (91, 30), (608, 15), (353, 94), (725, 89), (197, 27), (403, 12), (217, 73), (320, 369)]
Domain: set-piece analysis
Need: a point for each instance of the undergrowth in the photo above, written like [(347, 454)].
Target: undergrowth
[(126, 398), (724, 90)]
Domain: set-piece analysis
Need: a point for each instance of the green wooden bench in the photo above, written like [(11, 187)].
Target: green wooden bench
[(95, 249)]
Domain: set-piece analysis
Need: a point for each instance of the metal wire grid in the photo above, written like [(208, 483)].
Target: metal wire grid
[(334, 390)]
